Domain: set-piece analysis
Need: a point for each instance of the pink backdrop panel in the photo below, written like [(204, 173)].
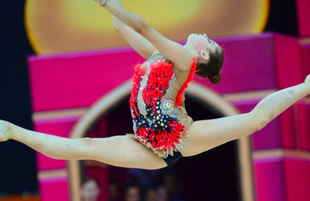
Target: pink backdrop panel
[(306, 59), (297, 179), (303, 119), (288, 128), (267, 138), (269, 179), (289, 73), (248, 64), (54, 189), (288, 61), (58, 127), (78, 80), (303, 16)]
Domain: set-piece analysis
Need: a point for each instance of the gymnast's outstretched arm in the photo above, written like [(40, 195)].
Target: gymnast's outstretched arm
[(173, 51), (206, 134), (134, 39)]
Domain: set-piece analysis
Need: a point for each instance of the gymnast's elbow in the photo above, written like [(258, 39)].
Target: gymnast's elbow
[(141, 26)]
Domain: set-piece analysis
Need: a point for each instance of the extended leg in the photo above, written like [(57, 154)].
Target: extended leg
[(118, 151), (207, 134)]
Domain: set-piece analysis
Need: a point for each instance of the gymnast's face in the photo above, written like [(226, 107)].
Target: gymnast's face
[(201, 43)]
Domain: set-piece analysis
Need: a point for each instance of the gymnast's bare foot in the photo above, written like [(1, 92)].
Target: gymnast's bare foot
[(4, 131)]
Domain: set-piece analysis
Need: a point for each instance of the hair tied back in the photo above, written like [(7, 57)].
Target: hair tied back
[(214, 79)]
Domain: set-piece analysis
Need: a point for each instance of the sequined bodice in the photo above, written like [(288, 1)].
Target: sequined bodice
[(156, 103), (168, 99)]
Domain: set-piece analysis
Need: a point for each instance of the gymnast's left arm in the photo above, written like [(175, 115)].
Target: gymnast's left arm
[(134, 39), (173, 51)]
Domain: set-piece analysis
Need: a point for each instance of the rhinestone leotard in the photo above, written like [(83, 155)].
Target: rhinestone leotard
[(160, 120)]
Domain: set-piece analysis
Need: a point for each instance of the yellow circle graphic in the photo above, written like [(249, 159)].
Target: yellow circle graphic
[(59, 26)]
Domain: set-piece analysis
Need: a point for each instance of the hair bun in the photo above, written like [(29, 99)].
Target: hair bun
[(214, 79)]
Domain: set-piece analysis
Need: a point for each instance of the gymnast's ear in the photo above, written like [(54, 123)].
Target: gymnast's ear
[(204, 55)]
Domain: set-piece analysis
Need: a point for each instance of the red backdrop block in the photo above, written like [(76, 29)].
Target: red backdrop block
[(288, 128), (269, 179), (303, 117), (306, 59), (303, 17), (297, 179), (53, 189), (289, 73), (288, 61)]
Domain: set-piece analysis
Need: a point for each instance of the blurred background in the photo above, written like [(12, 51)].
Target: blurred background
[(35, 31)]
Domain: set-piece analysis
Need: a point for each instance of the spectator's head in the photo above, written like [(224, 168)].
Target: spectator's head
[(89, 190), (113, 190), (169, 180), (162, 193), (150, 195), (132, 193)]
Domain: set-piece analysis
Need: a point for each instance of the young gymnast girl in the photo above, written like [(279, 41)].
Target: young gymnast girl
[(163, 132)]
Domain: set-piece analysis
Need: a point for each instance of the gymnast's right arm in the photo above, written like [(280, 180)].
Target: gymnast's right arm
[(134, 39)]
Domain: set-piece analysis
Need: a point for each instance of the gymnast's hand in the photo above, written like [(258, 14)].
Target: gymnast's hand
[(4, 131), (100, 2)]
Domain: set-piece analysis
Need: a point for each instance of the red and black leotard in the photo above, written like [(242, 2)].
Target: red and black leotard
[(157, 105)]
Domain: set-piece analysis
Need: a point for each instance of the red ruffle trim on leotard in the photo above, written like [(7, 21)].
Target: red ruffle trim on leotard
[(157, 83), (185, 85)]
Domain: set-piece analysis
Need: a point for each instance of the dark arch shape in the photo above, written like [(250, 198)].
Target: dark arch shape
[(107, 103)]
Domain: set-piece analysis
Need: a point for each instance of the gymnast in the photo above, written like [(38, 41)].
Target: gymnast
[(163, 132)]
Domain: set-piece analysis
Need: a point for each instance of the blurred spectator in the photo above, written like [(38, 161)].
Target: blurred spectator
[(151, 195), (89, 190), (113, 190), (170, 182), (162, 193), (132, 193), (143, 178)]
